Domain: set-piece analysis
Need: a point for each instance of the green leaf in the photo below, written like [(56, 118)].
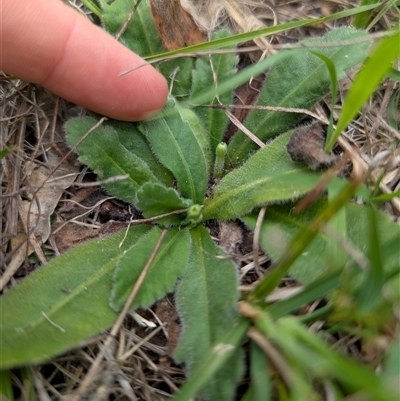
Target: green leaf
[(333, 76), (4, 152), (115, 149), (373, 71), (220, 355), (5, 385), (259, 373), (370, 294), (168, 265), (299, 80), (209, 71), (140, 34), (361, 20), (63, 302), (280, 226), (154, 199), (268, 176), (179, 145), (271, 30), (206, 299)]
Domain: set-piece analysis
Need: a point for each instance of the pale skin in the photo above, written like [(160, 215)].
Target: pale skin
[(49, 43)]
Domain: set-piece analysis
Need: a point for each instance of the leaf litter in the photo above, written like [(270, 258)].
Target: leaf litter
[(149, 373)]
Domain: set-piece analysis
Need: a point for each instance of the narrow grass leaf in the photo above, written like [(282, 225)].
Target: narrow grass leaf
[(371, 289), (373, 71), (354, 376), (268, 176), (281, 226), (361, 20), (300, 242), (62, 303), (209, 71), (320, 288), (93, 7), (168, 265), (336, 227), (110, 152), (154, 199), (5, 385), (333, 76), (206, 299), (4, 152), (179, 145), (299, 80), (248, 36), (260, 374)]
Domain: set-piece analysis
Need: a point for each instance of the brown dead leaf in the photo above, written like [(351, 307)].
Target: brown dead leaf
[(44, 192), (174, 25), (307, 145)]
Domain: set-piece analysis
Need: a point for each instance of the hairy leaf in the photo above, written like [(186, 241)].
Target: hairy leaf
[(154, 199), (140, 34), (299, 81), (168, 265), (208, 72), (280, 226), (63, 302), (268, 176), (206, 300), (179, 145), (115, 149)]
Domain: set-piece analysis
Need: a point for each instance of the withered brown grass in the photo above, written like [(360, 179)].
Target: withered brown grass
[(307, 145)]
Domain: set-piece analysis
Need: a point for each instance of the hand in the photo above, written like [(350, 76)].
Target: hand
[(48, 43)]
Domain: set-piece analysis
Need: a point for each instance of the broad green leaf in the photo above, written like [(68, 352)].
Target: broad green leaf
[(63, 302), (154, 199), (213, 360), (373, 71), (206, 299), (280, 226), (268, 176), (179, 145), (135, 142), (168, 265), (116, 149), (209, 71), (141, 37), (202, 136), (298, 81)]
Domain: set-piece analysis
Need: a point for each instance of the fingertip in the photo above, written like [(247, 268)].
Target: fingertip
[(81, 63)]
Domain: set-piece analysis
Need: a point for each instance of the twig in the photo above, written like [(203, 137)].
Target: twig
[(256, 240), (246, 131)]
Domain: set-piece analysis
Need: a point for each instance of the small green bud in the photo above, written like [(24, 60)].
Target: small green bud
[(195, 214), (220, 153)]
